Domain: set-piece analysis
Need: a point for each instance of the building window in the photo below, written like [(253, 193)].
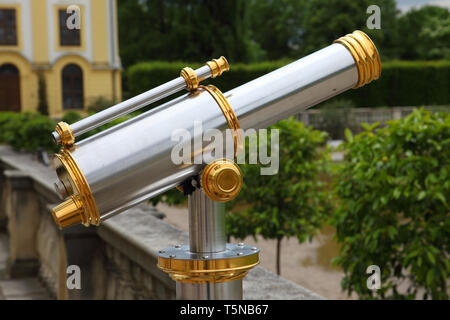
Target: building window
[(8, 34), (9, 88), (67, 37), (72, 87)]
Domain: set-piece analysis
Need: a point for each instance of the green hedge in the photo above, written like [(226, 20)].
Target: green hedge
[(146, 75), (407, 83), (402, 83)]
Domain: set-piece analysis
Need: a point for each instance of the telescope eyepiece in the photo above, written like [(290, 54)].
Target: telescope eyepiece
[(68, 213)]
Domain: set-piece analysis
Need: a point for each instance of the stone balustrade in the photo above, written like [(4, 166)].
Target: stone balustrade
[(117, 260)]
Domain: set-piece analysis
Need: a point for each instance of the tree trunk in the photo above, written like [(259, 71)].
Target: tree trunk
[(279, 255)]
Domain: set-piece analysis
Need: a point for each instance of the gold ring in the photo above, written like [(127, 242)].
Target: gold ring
[(365, 55), (229, 114), (218, 66), (226, 266), (66, 134), (91, 214), (190, 77)]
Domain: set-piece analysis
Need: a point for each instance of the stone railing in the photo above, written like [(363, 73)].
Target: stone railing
[(352, 118), (117, 260)]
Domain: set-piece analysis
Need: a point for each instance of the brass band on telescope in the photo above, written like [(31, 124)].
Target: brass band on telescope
[(215, 191), (190, 77), (218, 66), (84, 209), (229, 114), (365, 55), (65, 132), (208, 270)]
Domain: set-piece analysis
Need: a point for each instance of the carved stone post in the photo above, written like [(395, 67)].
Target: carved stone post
[(22, 211)]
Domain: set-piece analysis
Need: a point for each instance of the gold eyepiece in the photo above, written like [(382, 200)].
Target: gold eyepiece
[(69, 213)]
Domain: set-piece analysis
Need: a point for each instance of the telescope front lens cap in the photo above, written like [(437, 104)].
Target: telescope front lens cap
[(222, 180)]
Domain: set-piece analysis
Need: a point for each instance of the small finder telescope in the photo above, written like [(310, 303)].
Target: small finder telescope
[(118, 168)]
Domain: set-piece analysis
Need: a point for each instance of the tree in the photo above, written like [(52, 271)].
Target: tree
[(422, 30), (276, 26), (436, 35), (188, 30), (394, 212), (325, 21), (289, 203)]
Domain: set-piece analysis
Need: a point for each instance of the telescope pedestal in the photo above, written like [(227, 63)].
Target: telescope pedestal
[(206, 223), (231, 290), (206, 236), (209, 268)]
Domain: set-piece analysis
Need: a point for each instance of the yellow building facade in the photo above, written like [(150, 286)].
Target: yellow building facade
[(65, 50)]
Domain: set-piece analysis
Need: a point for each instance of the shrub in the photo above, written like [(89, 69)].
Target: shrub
[(71, 117), (99, 103), (27, 131), (394, 193)]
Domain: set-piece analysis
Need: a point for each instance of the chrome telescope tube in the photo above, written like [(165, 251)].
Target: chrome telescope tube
[(131, 162)]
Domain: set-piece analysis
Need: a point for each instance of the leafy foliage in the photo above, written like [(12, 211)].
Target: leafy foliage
[(71, 117), (394, 193), (431, 36), (342, 17), (27, 131), (436, 36), (99, 103), (171, 197), (257, 30), (183, 29), (290, 203), (276, 27)]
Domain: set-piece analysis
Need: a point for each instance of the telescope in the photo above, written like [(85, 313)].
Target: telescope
[(116, 169)]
